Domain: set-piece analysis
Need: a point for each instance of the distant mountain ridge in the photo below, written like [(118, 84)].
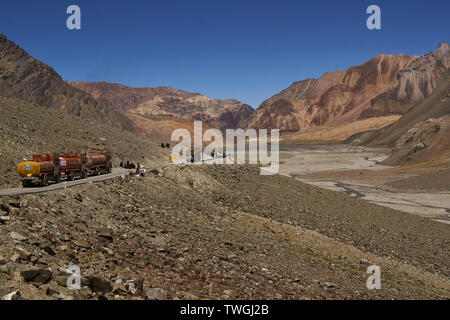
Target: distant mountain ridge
[(435, 106), (335, 98), (166, 101), (333, 107), (384, 86), (150, 111)]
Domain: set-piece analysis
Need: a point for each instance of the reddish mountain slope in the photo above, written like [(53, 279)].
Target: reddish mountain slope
[(164, 101), (422, 134), (335, 98), (414, 84), (385, 86), (435, 106), (426, 141)]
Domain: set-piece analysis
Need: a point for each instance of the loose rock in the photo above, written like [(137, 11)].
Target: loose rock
[(41, 276), (156, 294)]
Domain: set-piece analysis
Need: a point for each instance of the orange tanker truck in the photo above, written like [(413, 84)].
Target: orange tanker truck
[(82, 165), (45, 168), (42, 169), (99, 162)]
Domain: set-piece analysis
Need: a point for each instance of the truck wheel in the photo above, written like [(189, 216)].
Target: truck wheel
[(26, 183), (70, 176), (44, 181)]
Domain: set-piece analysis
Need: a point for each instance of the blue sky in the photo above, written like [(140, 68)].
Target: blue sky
[(242, 49)]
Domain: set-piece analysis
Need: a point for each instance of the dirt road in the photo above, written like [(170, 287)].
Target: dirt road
[(65, 184)]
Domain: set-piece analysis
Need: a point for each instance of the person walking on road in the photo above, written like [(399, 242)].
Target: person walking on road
[(138, 169)]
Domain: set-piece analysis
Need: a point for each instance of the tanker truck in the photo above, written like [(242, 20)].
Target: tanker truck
[(83, 164), (45, 168), (42, 169)]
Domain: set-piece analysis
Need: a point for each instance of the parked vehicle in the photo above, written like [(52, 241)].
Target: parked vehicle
[(45, 168), (42, 169)]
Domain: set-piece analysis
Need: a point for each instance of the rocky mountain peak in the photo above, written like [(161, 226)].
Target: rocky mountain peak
[(443, 53), (335, 98)]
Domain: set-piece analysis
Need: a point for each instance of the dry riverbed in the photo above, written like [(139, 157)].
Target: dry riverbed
[(358, 172)]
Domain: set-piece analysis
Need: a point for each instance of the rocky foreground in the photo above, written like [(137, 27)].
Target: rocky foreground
[(210, 232)]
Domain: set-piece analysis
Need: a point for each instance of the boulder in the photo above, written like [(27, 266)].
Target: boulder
[(97, 284), (4, 219), (156, 294), (17, 236), (105, 233), (15, 295), (41, 276), (4, 207)]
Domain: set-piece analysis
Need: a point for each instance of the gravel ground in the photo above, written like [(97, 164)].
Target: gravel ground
[(208, 232), (438, 180)]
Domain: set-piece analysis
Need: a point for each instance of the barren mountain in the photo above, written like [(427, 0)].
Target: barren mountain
[(200, 231), (335, 98), (435, 106), (385, 86), (422, 134), (24, 77), (414, 84), (165, 101), (425, 141)]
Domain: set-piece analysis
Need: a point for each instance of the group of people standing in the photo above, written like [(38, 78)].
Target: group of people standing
[(127, 165), (139, 170)]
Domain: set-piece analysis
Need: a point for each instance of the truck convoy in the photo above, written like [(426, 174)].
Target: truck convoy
[(45, 167)]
